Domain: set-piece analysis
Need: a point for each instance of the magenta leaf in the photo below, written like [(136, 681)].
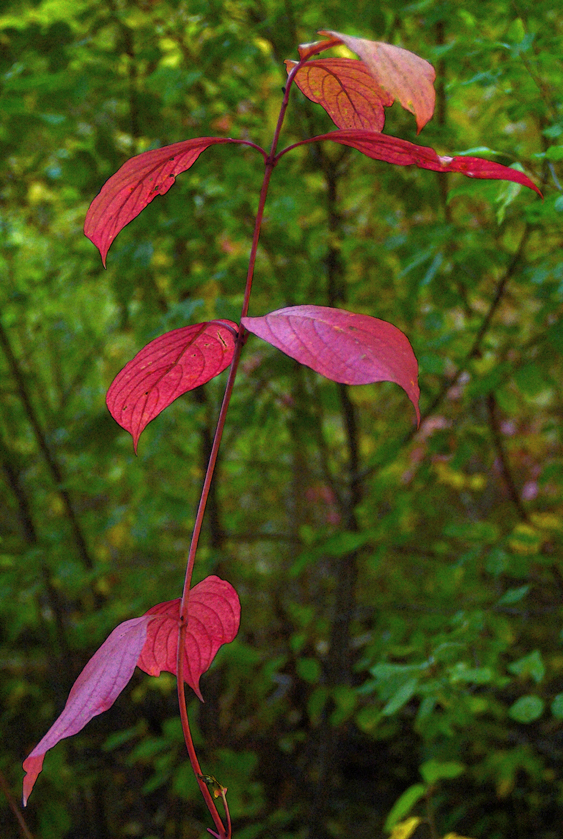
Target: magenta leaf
[(402, 153), (167, 367), (137, 183), (343, 346), (95, 690), (149, 642), (213, 620)]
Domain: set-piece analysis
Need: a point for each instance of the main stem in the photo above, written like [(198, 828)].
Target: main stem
[(241, 339)]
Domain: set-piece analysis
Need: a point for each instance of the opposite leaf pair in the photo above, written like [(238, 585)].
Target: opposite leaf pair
[(345, 347)]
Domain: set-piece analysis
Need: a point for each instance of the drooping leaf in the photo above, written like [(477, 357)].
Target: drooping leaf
[(343, 346), (346, 90), (402, 153), (214, 616), (404, 75), (149, 642), (95, 690), (167, 367), (137, 183)]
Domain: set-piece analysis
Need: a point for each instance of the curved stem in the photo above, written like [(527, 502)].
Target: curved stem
[(270, 162), (193, 757)]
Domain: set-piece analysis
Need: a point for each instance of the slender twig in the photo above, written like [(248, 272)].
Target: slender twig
[(50, 460), (503, 457), (475, 348), (483, 329)]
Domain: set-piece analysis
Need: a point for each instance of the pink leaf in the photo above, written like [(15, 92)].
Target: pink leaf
[(402, 153), (343, 346), (151, 643), (404, 75), (95, 690), (346, 90), (167, 367), (137, 183), (213, 620)]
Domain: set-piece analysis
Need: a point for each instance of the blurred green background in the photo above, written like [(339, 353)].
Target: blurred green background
[(401, 647)]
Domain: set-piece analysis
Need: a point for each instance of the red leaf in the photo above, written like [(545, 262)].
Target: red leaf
[(346, 90), (150, 642), (95, 690), (404, 75), (134, 186), (402, 153), (214, 616), (343, 346), (167, 367)]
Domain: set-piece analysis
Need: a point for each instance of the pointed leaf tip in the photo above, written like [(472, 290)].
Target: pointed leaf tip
[(149, 642), (404, 75), (213, 620), (400, 152), (136, 184), (166, 368), (94, 691), (345, 347)]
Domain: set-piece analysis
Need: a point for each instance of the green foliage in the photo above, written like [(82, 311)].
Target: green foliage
[(401, 592)]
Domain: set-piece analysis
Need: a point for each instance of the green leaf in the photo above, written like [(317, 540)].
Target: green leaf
[(526, 709), (400, 698), (460, 672), (530, 666), (404, 804), (513, 595), (367, 718), (435, 770)]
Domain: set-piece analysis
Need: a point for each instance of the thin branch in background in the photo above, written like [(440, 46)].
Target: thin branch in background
[(30, 536), (507, 475), (41, 440), (4, 786), (475, 348)]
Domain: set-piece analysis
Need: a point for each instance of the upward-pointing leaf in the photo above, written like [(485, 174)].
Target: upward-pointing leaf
[(346, 90), (137, 183), (167, 367), (151, 643), (343, 346), (404, 75)]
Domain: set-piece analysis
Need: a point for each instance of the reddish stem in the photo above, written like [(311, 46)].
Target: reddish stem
[(270, 163)]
